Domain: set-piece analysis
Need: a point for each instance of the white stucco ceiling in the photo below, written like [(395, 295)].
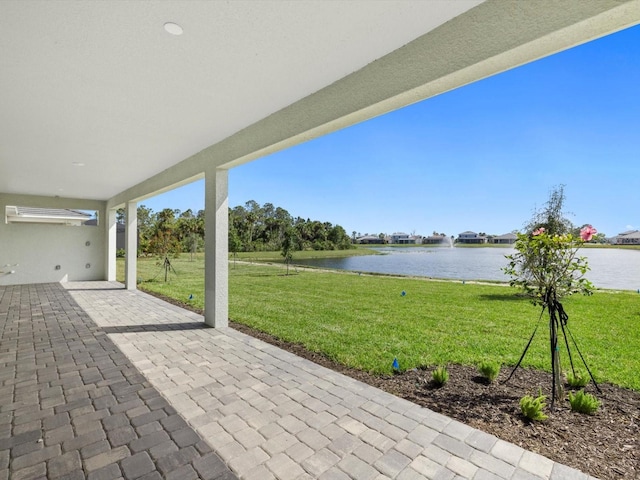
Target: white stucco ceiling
[(101, 83)]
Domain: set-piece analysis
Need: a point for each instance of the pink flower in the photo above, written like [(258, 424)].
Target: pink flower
[(539, 231), (587, 233)]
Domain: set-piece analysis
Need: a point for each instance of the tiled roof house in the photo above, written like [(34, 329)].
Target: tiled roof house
[(631, 237)]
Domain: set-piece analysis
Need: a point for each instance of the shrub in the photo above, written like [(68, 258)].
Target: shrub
[(120, 253), (583, 402), (440, 375), (531, 407), (578, 380), (489, 370)]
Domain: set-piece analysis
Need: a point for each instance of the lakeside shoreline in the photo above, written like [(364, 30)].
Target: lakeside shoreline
[(611, 268), (360, 250)]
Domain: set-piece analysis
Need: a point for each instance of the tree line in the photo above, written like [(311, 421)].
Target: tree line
[(167, 232), (251, 228), (268, 228)]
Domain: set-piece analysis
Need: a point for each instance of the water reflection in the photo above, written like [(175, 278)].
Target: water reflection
[(610, 268)]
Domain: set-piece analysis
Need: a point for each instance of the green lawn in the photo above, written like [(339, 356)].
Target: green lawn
[(365, 322)]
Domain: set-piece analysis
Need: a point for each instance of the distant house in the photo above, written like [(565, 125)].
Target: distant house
[(506, 239), (404, 239), (631, 237), (436, 240), (470, 237), (58, 216), (399, 238), (369, 240)]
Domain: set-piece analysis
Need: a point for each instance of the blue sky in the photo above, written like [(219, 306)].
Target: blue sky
[(479, 158)]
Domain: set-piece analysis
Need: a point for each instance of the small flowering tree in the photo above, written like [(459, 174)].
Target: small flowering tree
[(547, 267)]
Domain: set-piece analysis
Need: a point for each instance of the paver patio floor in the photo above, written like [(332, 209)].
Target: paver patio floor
[(264, 412)]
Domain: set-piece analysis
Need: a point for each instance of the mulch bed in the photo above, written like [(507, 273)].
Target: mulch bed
[(605, 445)]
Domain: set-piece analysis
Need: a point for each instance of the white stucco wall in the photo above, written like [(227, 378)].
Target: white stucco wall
[(38, 249)]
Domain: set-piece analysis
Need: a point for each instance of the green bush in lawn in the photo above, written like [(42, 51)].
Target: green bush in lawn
[(440, 375), (532, 407), (583, 402), (578, 380), (489, 370)]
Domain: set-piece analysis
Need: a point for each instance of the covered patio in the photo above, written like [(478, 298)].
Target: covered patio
[(105, 104), (103, 382)]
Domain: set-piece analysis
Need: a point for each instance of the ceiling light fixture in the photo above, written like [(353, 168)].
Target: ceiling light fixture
[(78, 164), (173, 28)]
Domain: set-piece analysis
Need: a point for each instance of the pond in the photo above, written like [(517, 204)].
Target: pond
[(610, 268)]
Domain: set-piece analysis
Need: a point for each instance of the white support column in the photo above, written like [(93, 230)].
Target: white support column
[(216, 247), (111, 245), (131, 245)]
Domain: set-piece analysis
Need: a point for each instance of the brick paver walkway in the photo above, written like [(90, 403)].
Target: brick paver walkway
[(72, 406), (265, 412)]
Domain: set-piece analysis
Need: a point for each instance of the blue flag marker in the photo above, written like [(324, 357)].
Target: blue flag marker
[(403, 293), (396, 365)]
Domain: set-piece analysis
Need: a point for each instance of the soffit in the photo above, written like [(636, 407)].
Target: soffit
[(95, 97)]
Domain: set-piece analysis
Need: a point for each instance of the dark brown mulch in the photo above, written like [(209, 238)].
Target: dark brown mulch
[(605, 445)]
